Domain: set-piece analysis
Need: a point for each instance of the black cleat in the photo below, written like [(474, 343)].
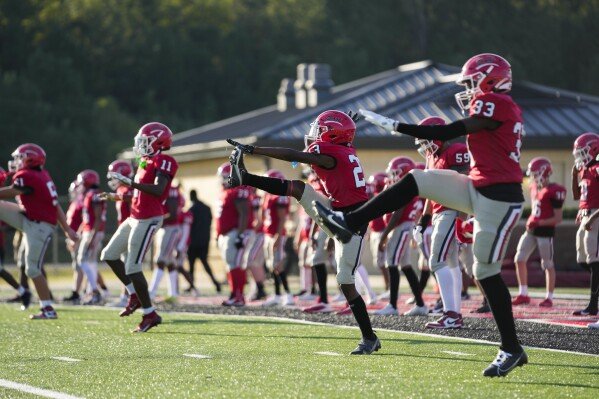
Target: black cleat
[(334, 221), (366, 347), (504, 363), (74, 298), (588, 311), (25, 300), (237, 168), (484, 308)]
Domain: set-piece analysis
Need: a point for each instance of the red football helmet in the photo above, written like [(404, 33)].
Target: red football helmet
[(420, 165), (333, 127), (399, 167), (3, 176), (88, 178), (464, 230), (483, 73), (122, 167), (152, 138), (586, 149), (27, 156), (428, 148), (539, 169), (224, 171), (377, 181), (275, 174)]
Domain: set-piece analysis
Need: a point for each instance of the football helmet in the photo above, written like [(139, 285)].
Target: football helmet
[(88, 178), (333, 127), (539, 169), (275, 174), (122, 167), (586, 149), (27, 156), (377, 182), (152, 138), (224, 171), (3, 176), (420, 165), (483, 73), (428, 148), (399, 167)]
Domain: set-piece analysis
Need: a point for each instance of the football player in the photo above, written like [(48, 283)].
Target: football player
[(585, 188), (134, 236), (185, 222), (231, 223), (253, 258), (547, 200), (74, 219), (330, 153), (275, 209), (376, 184), (35, 215), (492, 191), (444, 247)]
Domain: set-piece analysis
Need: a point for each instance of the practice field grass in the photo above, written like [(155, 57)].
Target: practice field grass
[(260, 357)]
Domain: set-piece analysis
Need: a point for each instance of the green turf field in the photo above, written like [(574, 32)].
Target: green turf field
[(260, 357)]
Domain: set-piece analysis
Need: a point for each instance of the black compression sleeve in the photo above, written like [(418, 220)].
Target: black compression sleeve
[(433, 132)]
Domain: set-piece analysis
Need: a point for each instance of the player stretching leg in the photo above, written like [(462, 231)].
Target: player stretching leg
[(492, 192), (36, 216), (134, 235), (547, 201), (333, 158)]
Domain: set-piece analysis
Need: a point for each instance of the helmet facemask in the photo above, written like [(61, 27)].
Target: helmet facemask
[(143, 146), (315, 132), (582, 157), (471, 83), (426, 148), (17, 163), (113, 184)]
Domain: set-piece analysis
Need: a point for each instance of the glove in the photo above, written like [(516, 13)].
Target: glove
[(239, 241), (117, 176), (418, 234), (353, 115), (381, 121), (246, 148)]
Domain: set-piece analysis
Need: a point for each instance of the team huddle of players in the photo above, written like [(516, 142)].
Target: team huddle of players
[(462, 203)]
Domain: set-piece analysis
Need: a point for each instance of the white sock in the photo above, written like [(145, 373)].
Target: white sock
[(445, 281), (156, 278), (130, 288), (91, 273), (456, 272), (550, 295), (363, 273), (173, 286), (46, 303), (523, 290), (21, 290), (148, 310)]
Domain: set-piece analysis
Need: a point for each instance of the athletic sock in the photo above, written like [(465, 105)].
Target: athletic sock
[(321, 278), (259, 287), (173, 279), (358, 308), (284, 283), (268, 184), (523, 290), (21, 290), (424, 276), (148, 310), (46, 303), (414, 284), (594, 285), (446, 289), (277, 281), (549, 295), (457, 287), (156, 279), (500, 302), (393, 285), (389, 200), (130, 288)]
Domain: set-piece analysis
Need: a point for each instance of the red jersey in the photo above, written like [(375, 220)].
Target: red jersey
[(123, 208), (40, 204), (143, 205), (74, 213), (344, 184), (377, 225), (495, 153), (456, 157), (92, 199), (409, 214), (544, 201), (227, 217), (588, 181), (173, 195), (270, 206)]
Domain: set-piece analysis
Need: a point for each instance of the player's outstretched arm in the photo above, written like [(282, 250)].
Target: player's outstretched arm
[(287, 154)]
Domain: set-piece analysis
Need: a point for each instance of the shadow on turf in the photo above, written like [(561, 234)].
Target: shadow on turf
[(552, 383)]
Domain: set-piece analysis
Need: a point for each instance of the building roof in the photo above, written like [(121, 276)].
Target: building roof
[(552, 117)]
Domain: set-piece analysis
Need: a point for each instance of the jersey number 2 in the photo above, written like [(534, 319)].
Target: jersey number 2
[(360, 181)]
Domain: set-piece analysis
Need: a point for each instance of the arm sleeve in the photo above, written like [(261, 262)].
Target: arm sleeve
[(433, 132)]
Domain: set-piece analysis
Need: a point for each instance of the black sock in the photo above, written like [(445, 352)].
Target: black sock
[(585, 266), (424, 276), (260, 287), (277, 284), (321, 279), (393, 285), (283, 278), (358, 308), (389, 200), (414, 284), (500, 302), (594, 285), (268, 184)]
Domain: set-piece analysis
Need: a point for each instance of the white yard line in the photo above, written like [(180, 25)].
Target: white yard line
[(196, 356), (328, 353), (65, 359), (46, 393), (458, 353)]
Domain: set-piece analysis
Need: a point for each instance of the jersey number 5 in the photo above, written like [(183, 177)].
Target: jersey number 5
[(360, 181)]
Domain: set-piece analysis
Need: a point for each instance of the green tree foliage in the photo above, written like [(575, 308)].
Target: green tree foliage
[(80, 76)]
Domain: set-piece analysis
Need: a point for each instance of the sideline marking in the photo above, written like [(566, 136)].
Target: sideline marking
[(458, 353), (196, 356), (65, 359), (46, 393), (327, 353)]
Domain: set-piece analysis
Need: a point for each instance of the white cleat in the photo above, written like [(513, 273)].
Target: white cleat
[(274, 300), (372, 300), (307, 297), (288, 300), (384, 296), (410, 301), (417, 311), (388, 310), (594, 326), (339, 298)]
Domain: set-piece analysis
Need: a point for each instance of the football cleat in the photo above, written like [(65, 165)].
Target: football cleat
[(288, 300), (546, 303), (465, 296), (366, 347), (47, 313), (318, 308), (388, 310), (484, 308), (74, 298), (448, 320), (437, 308), (237, 168), (372, 300), (521, 300), (410, 301), (132, 305), (308, 296), (385, 295), (344, 312), (594, 326), (339, 298), (25, 300), (274, 300), (238, 301), (586, 312), (148, 321), (95, 299), (334, 221), (504, 363), (258, 295), (417, 311)]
